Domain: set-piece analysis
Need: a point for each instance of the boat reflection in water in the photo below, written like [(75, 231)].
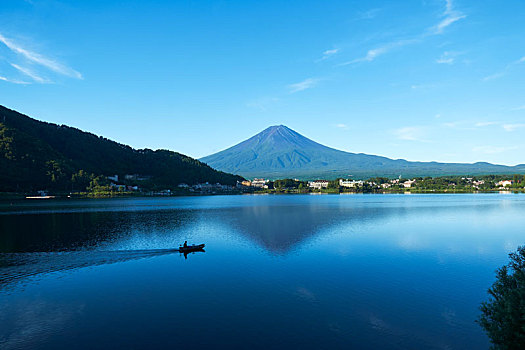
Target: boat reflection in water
[(191, 249)]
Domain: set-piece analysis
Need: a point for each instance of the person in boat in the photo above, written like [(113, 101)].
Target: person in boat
[(185, 244)]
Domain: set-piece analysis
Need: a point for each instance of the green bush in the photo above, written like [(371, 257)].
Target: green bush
[(503, 315)]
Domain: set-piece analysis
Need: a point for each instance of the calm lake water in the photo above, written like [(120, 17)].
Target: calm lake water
[(296, 271)]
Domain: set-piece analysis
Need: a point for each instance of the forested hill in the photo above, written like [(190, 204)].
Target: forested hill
[(36, 155)]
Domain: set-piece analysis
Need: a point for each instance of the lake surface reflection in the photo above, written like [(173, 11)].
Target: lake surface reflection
[(348, 271)]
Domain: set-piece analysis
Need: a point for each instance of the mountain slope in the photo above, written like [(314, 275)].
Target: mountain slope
[(37, 155), (279, 152)]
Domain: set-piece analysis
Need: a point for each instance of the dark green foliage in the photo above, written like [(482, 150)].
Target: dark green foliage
[(379, 180), (80, 180), (36, 155), (98, 184), (333, 184), (503, 315), (288, 184)]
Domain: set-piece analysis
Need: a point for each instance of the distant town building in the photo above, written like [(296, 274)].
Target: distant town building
[(505, 183), (260, 183), (203, 186), (113, 178), (183, 185), (350, 183), (478, 183), (246, 183), (408, 183), (137, 177), (318, 184), (210, 188)]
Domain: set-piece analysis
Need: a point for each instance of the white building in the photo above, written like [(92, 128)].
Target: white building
[(408, 183), (260, 183), (504, 183), (350, 183), (137, 177), (318, 184)]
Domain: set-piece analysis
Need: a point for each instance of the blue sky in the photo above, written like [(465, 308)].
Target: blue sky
[(420, 80)]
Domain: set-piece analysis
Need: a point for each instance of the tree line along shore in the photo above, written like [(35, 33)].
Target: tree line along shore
[(442, 184), (83, 185)]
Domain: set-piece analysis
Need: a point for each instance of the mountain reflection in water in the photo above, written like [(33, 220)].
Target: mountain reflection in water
[(276, 227), (306, 272)]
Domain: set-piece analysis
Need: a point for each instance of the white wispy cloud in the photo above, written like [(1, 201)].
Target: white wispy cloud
[(483, 124), (14, 81), (493, 76), (422, 86), (39, 59), (520, 108), (505, 70), (464, 125), (29, 73), (341, 126), (381, 50), (328, 53), (410, 133), (302, 85), (450, 16), (448, 57), (512, 127), (444, 60)]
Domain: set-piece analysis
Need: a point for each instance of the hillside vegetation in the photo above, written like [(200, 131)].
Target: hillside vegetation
[(36, 155)]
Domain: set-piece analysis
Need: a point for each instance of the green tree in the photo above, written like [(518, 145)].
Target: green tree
[(80, 180), (286, 183), (98, 183), (333, 184), (55, 173), (516, 180), (503, 315)]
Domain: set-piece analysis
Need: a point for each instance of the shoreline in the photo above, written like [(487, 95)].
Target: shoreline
[(5, 197)]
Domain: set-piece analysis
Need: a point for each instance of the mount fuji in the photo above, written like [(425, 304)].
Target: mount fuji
[(280, 152)]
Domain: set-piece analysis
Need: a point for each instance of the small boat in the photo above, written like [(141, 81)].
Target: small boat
[(191, 248)]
